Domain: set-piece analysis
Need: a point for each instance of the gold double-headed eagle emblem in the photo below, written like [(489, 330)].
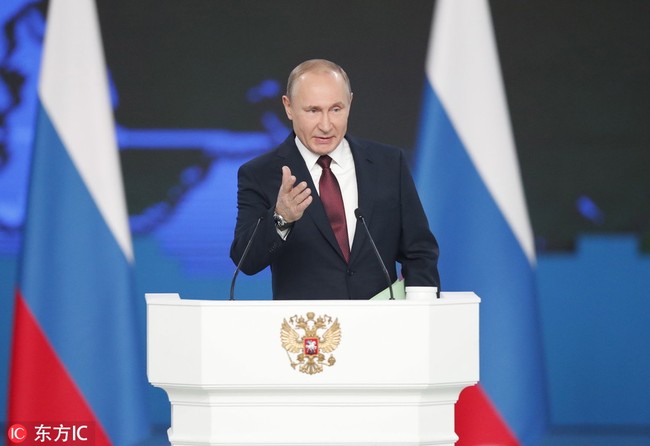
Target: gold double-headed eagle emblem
[(308, 339)]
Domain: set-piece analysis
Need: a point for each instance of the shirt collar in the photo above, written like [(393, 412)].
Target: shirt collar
[(341, 155)]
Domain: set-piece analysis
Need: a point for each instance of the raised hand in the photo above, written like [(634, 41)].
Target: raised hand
[(292, 199)]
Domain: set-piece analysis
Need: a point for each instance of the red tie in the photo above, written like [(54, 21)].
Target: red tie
[(330, 195)]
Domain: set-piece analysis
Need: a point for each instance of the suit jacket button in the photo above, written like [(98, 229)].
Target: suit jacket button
[(350, 272)]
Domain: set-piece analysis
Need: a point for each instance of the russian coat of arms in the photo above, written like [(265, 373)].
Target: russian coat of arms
[(310, 341)]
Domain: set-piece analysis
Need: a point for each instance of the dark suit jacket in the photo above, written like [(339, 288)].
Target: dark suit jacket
[(309, 264)]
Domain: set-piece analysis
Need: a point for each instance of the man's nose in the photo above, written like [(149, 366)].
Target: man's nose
[(325, 123)]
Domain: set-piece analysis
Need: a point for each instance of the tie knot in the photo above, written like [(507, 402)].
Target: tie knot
[(324, 161)]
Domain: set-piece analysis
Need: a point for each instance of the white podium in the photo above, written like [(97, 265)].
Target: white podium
[(353, 372)]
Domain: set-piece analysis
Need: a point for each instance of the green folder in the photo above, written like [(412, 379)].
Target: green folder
[(398, 291)]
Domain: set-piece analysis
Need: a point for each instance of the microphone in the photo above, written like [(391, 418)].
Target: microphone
[(243, 257), (359, 215)]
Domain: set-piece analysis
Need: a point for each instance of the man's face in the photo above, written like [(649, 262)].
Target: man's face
[(319, 108)]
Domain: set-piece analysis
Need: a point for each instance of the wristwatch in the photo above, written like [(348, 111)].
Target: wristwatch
[(280, 222)]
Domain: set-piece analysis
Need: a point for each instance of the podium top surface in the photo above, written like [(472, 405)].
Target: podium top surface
[(446, 298)]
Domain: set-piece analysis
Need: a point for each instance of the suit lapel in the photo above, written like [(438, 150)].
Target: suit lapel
[(367, 177)]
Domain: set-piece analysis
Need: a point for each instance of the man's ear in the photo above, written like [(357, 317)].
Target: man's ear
[(287, 106)]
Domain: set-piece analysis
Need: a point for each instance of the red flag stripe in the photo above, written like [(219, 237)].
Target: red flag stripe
[(479, 423), (40, 389)]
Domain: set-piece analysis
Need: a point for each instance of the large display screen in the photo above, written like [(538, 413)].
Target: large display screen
[(196, 89)]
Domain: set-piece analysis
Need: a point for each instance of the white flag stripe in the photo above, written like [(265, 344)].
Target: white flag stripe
[(470, 87), (74, 90)]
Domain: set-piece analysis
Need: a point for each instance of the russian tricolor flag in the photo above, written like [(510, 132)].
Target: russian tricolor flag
[(469, 181), (77, 359)]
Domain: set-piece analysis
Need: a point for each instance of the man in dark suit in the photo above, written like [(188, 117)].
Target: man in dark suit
[(305, 192)]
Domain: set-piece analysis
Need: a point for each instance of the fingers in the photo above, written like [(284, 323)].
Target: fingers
[(301, 193), (288, 180), (292, 199)]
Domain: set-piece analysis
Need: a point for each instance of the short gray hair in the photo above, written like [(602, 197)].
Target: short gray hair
[(318, 66)]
